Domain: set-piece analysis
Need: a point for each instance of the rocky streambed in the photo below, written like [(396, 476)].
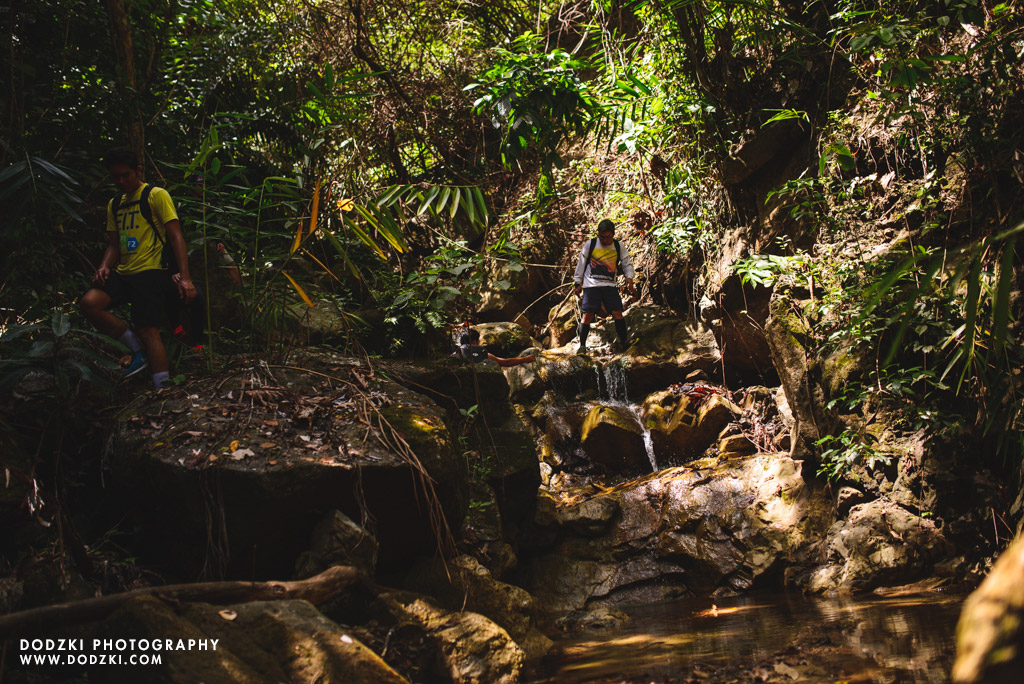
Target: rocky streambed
[(488, 510)]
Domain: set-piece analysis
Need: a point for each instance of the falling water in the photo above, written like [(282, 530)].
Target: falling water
[(612, 386), (649, 446)]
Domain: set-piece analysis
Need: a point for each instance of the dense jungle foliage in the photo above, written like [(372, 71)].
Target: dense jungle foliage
[(400, 163)]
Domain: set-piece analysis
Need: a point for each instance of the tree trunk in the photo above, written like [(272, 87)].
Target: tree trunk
[(121, 35)]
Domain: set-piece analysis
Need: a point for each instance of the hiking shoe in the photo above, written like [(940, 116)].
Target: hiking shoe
[(582, 351), (137, 363)]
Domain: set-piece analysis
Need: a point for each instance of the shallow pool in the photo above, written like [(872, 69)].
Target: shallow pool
[(909, 640)]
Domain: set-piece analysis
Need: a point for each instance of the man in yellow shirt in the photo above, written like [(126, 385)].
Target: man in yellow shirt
[(133, 268)]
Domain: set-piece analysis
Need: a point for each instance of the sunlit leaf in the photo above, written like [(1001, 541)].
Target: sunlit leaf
[(298, 288)]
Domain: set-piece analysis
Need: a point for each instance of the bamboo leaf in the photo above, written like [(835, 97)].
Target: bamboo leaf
[(340, 248), (970, 324), (445, 194), (298, 237), (298, 288), (366, 239), (316, 207), (431, 194), (470, 206), (481, 204), (1001, 303), (321, 265), (456, 196)]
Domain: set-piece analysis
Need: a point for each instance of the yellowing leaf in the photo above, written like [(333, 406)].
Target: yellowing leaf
[(298, 238), (346, 204), (316, 207), (234, 446), (302, 293)]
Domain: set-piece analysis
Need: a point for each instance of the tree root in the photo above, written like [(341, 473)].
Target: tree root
[(316, 589)]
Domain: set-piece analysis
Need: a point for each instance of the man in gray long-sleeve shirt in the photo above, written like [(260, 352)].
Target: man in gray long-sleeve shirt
[(596, 273)]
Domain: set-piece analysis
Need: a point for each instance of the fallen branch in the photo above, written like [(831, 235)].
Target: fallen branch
[(316, 589)]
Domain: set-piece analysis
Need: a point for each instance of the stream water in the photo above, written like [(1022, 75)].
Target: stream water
[(613, 390), (908, 640)]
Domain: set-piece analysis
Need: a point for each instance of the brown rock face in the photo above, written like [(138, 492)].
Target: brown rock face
[(613, 437), (989, 636), (679, 532), (683, 427), (470, 648)]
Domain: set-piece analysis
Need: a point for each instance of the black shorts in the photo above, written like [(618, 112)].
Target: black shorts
[(594, 297), (150, 293)]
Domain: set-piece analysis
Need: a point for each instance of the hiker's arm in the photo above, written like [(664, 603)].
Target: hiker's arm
[(111, 255), (174, 238), (508, 363), (581, 268), (627, 265), (627, 270)]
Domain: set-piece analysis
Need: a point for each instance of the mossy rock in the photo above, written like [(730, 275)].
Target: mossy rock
[(505, 339)]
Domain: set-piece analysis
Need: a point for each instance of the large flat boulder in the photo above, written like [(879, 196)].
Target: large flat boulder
[(229, 475)]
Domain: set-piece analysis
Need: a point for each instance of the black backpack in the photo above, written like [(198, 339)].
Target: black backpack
[(167, 258)]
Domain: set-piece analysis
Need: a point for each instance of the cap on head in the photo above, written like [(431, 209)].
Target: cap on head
[(121, 155), (606, 226)]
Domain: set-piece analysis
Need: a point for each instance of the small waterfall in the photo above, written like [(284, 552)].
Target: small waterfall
[(611, 382), (613, 388), (649, 446)]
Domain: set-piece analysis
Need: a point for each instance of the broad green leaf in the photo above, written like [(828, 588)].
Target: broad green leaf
[(61, 324)]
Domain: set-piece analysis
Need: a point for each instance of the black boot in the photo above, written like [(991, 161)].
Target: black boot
[(620, 327), (583, 331)]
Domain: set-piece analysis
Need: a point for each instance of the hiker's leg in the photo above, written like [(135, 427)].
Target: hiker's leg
[(154, 347), (584, 328), (620, 327), (156, 354), (93, 305)]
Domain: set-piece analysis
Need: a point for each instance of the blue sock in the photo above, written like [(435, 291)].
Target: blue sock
[(160, 378), (131, 341)]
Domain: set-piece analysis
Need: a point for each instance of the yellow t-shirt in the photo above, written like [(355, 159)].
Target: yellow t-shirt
[(141, 249)]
